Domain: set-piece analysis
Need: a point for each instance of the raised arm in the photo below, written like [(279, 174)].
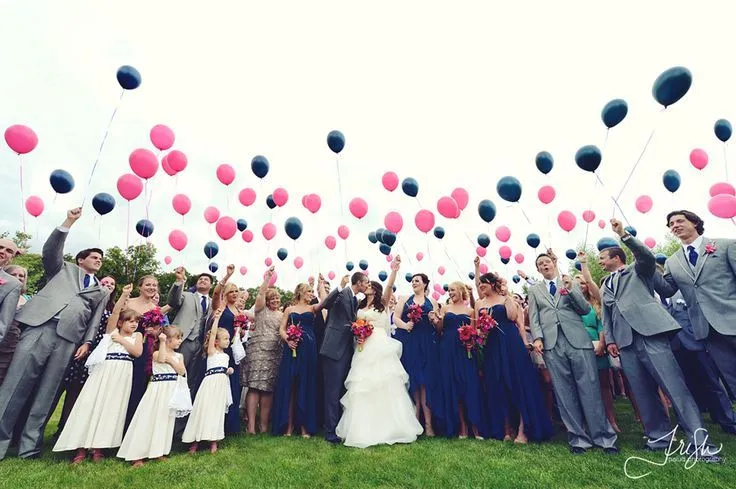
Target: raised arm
[(388, 289), (176, 298), (52, 256), (217, 294), (212, 340), (579, 303), (593, 289), (476, 268), (112, 321), (645, 262), (261, 297), (134, 350), (328, 301)]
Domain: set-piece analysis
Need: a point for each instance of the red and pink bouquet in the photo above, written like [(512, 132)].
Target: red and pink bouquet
[(362, 329), (414, 313), (153, 318), (485, 324), (294, 333), (468, 336), (241, 321)]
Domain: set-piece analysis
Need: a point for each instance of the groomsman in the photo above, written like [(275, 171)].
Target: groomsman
[(555, 307), (704, 270), (635, 327), (65, 313), (9, 294)]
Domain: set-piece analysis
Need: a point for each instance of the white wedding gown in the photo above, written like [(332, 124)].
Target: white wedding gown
[(377, 408)]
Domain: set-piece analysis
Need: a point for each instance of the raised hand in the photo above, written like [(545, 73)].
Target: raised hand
[(230, 270), (552, 255), (269, 272), (476, 262), (181, 274), (116, 337), (162, 338), (127, 290), (567, 282), (344, 281), (74, 214), (582, 257), (617, 227), (396, 263)]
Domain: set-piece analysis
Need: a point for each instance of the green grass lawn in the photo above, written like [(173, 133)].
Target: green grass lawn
[(266, 461)]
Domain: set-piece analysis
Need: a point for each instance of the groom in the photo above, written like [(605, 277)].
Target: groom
[(337, 347)]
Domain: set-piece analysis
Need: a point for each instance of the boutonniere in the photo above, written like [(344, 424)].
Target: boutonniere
[(564, 291), (710, 248), (2, 281)]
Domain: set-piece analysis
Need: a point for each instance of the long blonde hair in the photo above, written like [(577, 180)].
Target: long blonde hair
[(594, 303), (462, 288), (220, 333), (299, 292)]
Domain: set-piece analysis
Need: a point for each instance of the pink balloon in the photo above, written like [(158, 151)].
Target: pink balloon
[(393, 222), (129, 186), (424, 220), (330, 242), (447, 207), (389, 258), (343, 231), (280, 196), (390, 181), (269, 231), (331, 275), (480, 251), (272, 282), (162, 137), (34, 205), (644, 204), (441, 270), (588, 216), (177, 160), (723, 206), (460, 195), (247, 235), (313, 203), (483, 268), (567, 220), (437, 287), (503, 233), (166, 167), (243, 270), (722, 188), (21, 139), (143, 163), (182, 204), (602, 224), (167, 260), (211, 214), (358, 207), (225, 174), (699, 158), (546, 194), (247, 196), (298, 262), (177, 239), (504, 252), (436, 295), (519, 258), (420, 256), (650, 242), (226, 227), (269, 262)]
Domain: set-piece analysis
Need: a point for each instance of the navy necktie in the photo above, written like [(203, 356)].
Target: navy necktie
[(87, 280), (355, 302), (552, 289), (204, 305), (692, 255)]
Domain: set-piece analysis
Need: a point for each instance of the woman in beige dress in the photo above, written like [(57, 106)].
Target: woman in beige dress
[(263, 355)]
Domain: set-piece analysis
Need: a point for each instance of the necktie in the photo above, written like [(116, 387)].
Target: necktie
[(204, 305), (552, 289), (87, 280), (692, 255), (355, 302)]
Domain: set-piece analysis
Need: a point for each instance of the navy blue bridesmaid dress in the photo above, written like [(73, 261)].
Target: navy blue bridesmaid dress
[(232, 418)]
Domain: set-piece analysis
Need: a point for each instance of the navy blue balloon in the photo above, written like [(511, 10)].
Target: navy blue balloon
[(604, 243), (61, 181), (259, 166), (242, 225), (614, 112), (389, 238), (672, 85), (293, 227), (393, 288), (103, 203), (505, 261), (144, 227), (723, 130), (270, 202), (282, 254), (211, 249), (509, 189), (578, 266), (445, 287), (471, 275), (410, 187), (516, 279), (382, 275), (588, 158), (385, 249), (379, 234), (336, 141), (545, 162), (372, 237), (363, 264), (533, 240), (408, 276), (213, 267), (484, 240), (439, 232), (671, 180), (349, 266), (631, 230), (486, 210), (570, 254), (661, 258), (128, 77)]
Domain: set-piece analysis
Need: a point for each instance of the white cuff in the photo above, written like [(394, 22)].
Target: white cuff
[(63, 229)]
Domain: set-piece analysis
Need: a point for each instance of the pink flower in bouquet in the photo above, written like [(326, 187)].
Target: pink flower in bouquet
[(241, 321), (564, 291), (485, 324), (414, 313), (153, 318), (468, 336), (362, 329), (294, 333)]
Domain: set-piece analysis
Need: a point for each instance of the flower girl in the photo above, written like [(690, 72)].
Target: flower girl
[(98, 417), (207, 421), (152, 429)]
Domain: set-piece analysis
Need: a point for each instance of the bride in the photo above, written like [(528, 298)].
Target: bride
[(377, 408)]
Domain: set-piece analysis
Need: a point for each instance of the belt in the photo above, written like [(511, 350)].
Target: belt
[(163, 377), (215, 370), (118, 356)]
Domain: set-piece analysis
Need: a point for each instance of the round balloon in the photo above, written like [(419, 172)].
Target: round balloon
[(588, 216), (280, 196), (128, 77), (604, 243), (614, 112), (503, 233), (544, 162), (644, 204), (723, 130), (390, 181), (486, 210), (660, 258), (247, 196), (330, 242), (382, 276), (698, 158), (213, 267), (570, 254), (144, 227), (242, 225), (566, 220), (349, 266), (259, 166), (270, 202), (672, 85), (533, 240), (247, 235), (723, 206), (509, 189), (129, 186), (410, 187), (461, 197), (447, 207), (424, 220), (143, 163), (226, 227), (211, 249), (389, 238), (671, 180), (343, 231), (484, 240), (358, 207), (372, 237), (439, 232), (181, 203), (588, 158), (631, 230), (293, 227), (722, 188), (243, 270), (225, 174), (103, 203), (269, 231), (162, 137), (61, 181), (282, 254), (178, 239), (393, 222), (298, 262), (21, 139), (336, 141), (211, 214), (177, 160), (363, 264), (385, 249), (546, 194), (408, 276), (34, 205)]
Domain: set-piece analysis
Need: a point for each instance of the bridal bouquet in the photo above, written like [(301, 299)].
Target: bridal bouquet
[(414, 313), (362, 329), (153, 318), (294, 333), (485, 324), (241, 321), (468, 337)]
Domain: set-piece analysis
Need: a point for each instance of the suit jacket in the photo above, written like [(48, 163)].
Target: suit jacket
[(628, 300), (547, 312), (79, 310), (188, 310), (9, 294), (710, 290), (338, 333), (685, 338)]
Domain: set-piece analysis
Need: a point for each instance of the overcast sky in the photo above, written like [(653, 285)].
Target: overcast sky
[(453, 94)]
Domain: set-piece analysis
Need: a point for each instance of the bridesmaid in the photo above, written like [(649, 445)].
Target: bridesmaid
[(295, 403), (229, 293), (262, 355), (510, 379), (420, 354), (461, 385)]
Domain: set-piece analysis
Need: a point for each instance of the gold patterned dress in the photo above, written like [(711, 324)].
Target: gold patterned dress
[(263, 351)]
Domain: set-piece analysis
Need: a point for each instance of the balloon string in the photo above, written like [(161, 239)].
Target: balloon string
[(339, 188), (615, 201), (406, 253), (725, 160), (638, 160), (457, 267), (22, 200), (127, 229), (102, 145), (592, 196)]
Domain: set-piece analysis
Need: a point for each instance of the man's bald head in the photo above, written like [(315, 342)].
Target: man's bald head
[(8, 250)]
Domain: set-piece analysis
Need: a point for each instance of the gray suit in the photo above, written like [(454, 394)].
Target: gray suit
[(337, 349), (568, 353), (190, 319), (710, 293), (54, 322), (638, 324), (9, 294)]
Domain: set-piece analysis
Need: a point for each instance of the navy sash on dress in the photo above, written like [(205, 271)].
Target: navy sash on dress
[(118, 356), (215, 370), (163, 377)]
